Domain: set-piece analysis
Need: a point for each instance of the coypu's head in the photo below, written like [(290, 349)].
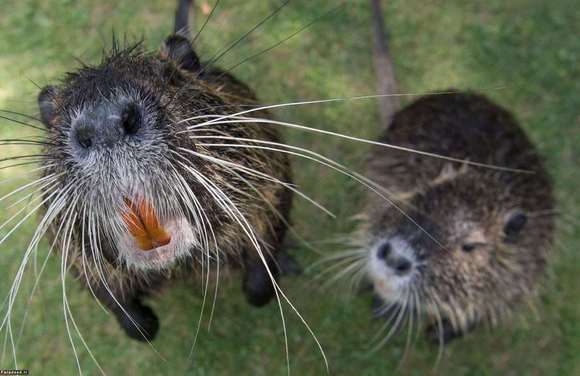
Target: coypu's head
[(470, 247), (116, 149)]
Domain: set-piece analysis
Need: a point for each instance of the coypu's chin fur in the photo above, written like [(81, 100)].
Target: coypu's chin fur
[(128, 130), (464, 244)]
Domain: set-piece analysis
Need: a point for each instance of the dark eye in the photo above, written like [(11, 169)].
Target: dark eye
[(515, 223), (469, 247)]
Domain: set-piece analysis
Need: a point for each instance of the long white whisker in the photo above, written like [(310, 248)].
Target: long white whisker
[(34, 192), (95, 245), (26, 186), (234, 213), (336, 265), (197, 209), (395, 327), (49, 216), (65, 251), (376, 188), (388, 322), (239, 119), (15, 177), (20, 211), (39, 274), (261, 175), (338, 256), (355, 266), (319, 101)]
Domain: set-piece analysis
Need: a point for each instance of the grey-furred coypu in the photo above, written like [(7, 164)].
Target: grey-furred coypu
[(460, 244), (134, 199)]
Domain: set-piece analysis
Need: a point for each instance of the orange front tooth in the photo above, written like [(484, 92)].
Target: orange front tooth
[(133, 221), (144, 243), (156, 232), (143, 224)]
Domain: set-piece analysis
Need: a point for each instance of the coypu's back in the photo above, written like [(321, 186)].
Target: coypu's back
[(461, 125)]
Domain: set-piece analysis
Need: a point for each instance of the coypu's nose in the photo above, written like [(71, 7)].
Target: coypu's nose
[(105, 125), (400, 264)]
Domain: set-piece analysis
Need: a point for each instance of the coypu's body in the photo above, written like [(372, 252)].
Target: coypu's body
[(476, 240), (119, 146)]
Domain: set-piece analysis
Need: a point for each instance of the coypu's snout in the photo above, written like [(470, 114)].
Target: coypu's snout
[(115, 140), (393, 259), (398, 257), (393, 267), (105, 126)]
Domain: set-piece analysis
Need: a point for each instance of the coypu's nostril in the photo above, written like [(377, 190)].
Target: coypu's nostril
[(400, 265), (131, 119), (384, 251), (84, 134), (403, 266)]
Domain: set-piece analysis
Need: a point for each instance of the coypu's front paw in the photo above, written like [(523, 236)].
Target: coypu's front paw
[(258, 285), (139, 322)]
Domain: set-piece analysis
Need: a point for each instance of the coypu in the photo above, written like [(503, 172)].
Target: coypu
[(459, 243), (134, 199), (466, 244)]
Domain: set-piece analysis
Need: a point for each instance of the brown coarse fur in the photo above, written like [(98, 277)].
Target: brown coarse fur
[(470, 263), (163, 164)]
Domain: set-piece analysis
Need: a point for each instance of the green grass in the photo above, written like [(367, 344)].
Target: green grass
[(523, 54)]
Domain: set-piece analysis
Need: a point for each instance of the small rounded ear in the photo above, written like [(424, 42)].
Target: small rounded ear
[(515, 222), (47, 105), (179, 49)]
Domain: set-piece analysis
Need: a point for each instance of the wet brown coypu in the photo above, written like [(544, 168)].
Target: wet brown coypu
[(134, 198), (460, 229), (466, 244)]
